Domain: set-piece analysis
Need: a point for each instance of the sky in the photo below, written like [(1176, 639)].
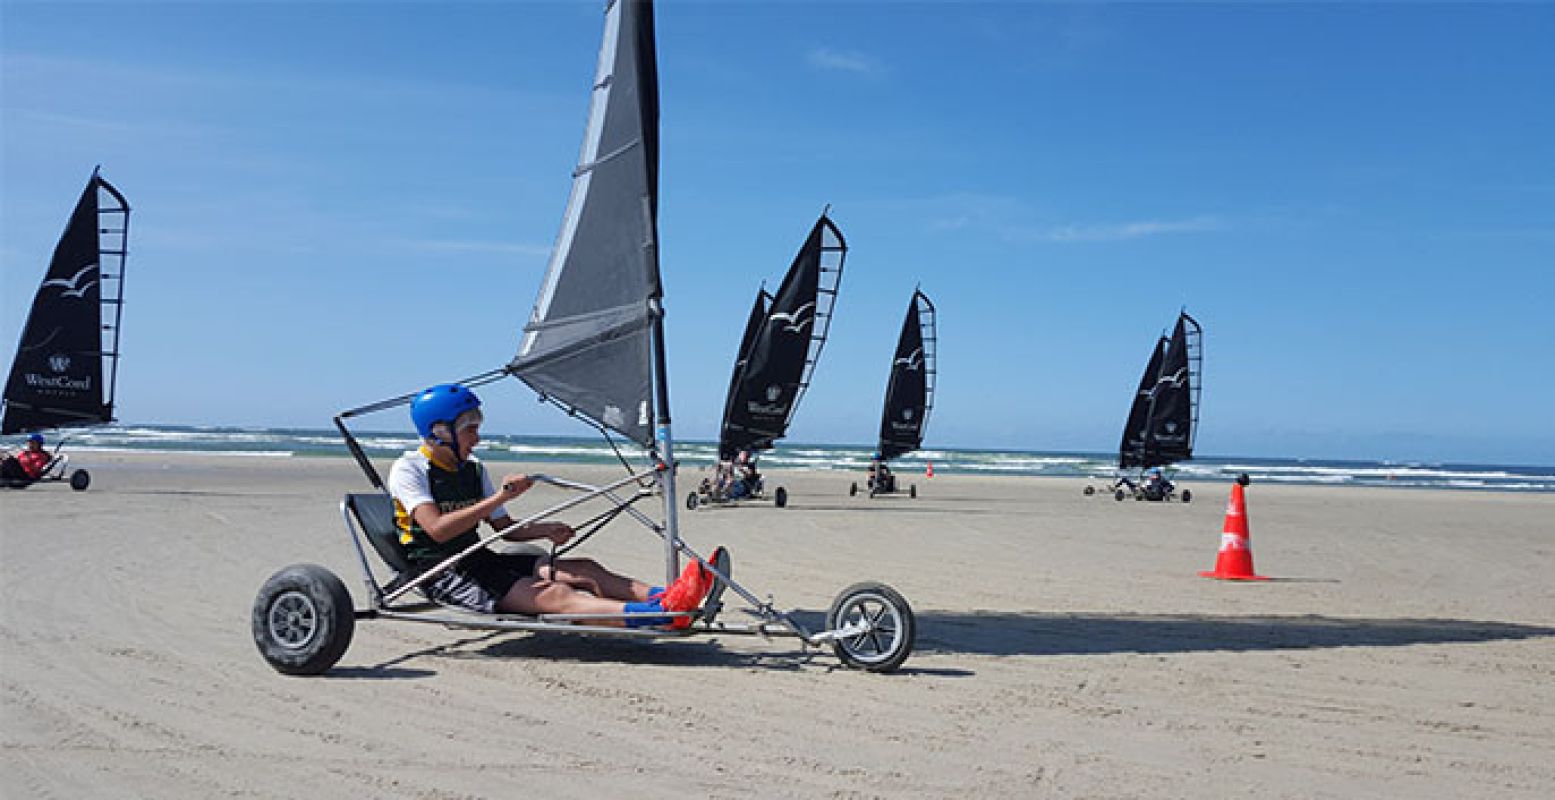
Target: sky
[(335, 203)]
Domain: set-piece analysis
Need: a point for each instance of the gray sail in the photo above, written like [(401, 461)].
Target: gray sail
[(588, 344)]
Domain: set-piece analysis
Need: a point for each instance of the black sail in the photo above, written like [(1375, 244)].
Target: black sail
[(64, 371), (588, 344), (730, 440), (769, 384), (910, 392), (1163, 420), (1131, 453)]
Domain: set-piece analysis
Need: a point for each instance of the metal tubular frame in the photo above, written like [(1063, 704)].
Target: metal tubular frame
[(771, 622)]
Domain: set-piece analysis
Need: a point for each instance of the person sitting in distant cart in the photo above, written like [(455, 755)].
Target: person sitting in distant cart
[(723, 475), (879, 473), (1156, 484), (441, 495), (28, 465), (743, 478)]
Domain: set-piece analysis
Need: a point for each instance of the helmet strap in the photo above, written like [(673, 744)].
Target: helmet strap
[(452, 443)]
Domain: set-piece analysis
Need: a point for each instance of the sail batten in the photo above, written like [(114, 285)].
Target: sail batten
[(65, 370)]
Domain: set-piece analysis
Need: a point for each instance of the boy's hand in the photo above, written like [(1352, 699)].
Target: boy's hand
[(515, 485)]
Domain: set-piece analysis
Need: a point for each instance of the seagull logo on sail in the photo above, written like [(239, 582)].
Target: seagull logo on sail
[(71, 289), (796, 321), (913, 361)]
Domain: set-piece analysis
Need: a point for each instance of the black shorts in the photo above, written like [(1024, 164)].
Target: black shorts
[(481, 580)]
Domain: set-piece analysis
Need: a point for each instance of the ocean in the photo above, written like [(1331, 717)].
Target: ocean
[(296, 443)]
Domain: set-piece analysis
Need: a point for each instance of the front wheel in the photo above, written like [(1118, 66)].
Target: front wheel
[(303, 620), (853, 490), (1090, 490), (912, 491), (1187, 495), (780, 497), (80, 479), (691, 501), (879, 624)]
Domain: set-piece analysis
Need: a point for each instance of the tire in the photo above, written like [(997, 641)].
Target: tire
[(303, 620), (80, 479), (691, 501), (1187, 495), (1090, 490), (1118, 495), (780, 497), (1244, 479), (884, 648), (912, 491), (853, 490)]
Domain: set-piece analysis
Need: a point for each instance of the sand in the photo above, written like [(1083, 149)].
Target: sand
[(1066, 648)]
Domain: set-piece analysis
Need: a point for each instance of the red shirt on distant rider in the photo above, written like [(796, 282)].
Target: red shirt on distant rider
[(28, 464)]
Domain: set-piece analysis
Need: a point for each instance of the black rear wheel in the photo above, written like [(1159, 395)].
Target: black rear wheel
[(912, 491), (780, 497), (1187, 495), (691, 501), (1118, 495), (879, 625), (303, 620)]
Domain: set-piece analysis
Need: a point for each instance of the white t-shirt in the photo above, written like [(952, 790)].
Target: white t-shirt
[(410, 487)]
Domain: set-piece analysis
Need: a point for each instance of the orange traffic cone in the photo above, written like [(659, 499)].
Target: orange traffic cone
[(1235, 562), (930, 471)]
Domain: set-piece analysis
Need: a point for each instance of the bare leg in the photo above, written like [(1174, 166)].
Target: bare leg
[(539, 596)]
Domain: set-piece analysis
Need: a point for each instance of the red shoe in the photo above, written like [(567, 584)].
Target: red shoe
[(686, 593)]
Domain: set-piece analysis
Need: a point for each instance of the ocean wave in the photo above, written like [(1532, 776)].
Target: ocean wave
[(279, 443)]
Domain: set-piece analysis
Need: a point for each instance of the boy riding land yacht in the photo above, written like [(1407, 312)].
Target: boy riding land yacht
[(442, 493)]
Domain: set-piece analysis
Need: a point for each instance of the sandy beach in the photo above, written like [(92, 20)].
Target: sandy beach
[(1066, 648)]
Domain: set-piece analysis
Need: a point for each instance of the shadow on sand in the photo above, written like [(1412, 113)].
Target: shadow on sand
[(1002, 633), (988, 633)]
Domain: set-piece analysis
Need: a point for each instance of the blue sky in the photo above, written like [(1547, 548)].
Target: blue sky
[(337, 202)]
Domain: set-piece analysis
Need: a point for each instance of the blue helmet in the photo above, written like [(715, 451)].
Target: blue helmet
[(441, 403), (36, 437)]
